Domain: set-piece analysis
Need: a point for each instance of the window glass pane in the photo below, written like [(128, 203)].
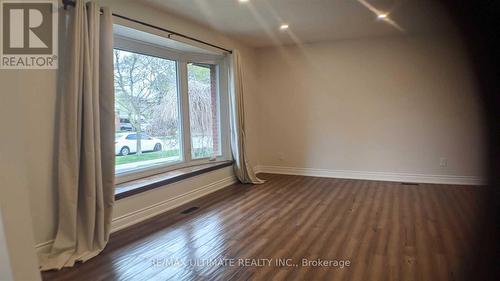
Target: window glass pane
[(203, 110), (147, 115), (131, 137)]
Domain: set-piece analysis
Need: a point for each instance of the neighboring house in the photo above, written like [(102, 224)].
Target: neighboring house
[(122, 123)]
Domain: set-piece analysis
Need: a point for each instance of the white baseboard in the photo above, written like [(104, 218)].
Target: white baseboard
[(379, 176), (137, 216)]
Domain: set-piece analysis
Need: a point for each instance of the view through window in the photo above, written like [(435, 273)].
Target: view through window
[(203, 110), (146, 111), (167, 111)]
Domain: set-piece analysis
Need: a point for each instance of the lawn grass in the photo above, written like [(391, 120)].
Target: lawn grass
[(131, 158)]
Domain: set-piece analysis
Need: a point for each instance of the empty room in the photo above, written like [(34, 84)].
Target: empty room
[(249, 140)]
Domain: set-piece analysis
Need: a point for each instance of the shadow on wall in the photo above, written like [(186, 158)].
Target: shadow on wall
[(390, 105)]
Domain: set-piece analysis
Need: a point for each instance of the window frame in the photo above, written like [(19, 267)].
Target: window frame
[(182, 59)]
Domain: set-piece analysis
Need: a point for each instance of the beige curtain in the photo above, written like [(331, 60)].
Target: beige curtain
[(85, 161), (242, 169)]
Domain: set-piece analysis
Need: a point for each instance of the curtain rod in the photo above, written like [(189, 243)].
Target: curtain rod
[(67, 3)]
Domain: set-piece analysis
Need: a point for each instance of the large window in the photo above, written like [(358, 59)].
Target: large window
[(170, 109), (146, 107)]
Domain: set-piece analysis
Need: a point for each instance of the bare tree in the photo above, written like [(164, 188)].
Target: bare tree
[(200, 114), (146, 91), (165, 119), (141, 83)]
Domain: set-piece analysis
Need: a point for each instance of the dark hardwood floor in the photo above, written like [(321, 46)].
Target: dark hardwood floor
[(385, 230)]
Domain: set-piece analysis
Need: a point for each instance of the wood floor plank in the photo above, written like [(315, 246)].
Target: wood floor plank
[(387, 231)]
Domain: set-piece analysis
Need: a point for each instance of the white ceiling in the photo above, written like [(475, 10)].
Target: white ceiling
[(257, 22)]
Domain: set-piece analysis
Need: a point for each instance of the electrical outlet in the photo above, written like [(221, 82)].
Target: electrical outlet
[(443, 162), (281, 156)]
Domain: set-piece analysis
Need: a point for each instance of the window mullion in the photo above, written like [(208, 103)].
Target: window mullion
[(186, 132)]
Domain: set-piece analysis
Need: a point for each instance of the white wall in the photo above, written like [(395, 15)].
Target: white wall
[(27, 105), (18, 152), (388, 105), (5, 268)]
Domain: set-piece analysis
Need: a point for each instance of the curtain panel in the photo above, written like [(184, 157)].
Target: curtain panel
[(242, 169), (85, 136)]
